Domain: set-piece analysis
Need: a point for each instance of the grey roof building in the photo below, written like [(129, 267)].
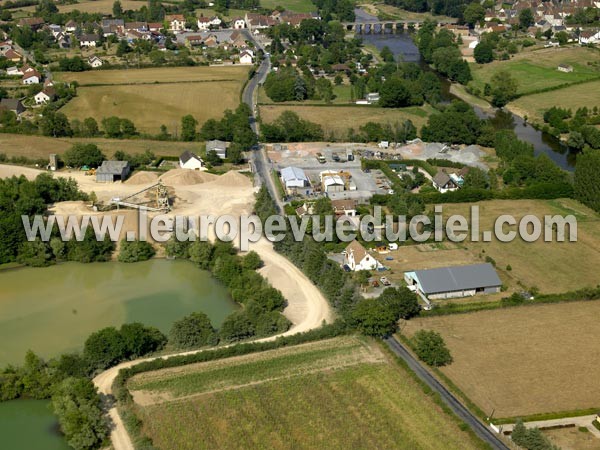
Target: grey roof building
[(111, 171), (218, 146), (12, 104), (456, 281)]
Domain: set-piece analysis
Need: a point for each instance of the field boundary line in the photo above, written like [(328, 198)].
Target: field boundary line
[(330, 368)]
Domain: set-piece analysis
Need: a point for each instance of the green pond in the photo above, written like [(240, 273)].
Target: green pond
[(53, 310), (29, 425)]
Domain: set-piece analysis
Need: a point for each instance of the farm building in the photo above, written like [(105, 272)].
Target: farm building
[(295, 181), (220, 147), (111, 171), (456, 281), (12, 104), (356, 257), (188, 160), (565, 68)]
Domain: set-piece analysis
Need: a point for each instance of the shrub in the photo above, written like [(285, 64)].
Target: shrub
[(431, 348), (193, 331)]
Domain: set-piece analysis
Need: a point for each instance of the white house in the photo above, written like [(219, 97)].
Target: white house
[(444, 183), (357, 258), (88, 40), (589, 37), (176, 22), (204, 23), (31, 78), (188, 160), (95, 62), (238, 23), (246, 57), (44, 96)]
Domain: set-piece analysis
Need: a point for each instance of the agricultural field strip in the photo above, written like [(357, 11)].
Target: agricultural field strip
[(206, 378), (362, 406), (157, 83)]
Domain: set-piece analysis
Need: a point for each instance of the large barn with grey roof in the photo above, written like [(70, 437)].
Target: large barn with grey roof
[(456, 281)]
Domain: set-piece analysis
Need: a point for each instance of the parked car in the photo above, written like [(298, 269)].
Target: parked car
[(385, 281), (375, 283)]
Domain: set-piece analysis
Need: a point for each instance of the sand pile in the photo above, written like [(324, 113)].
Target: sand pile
[(232, 179), (183, 177), (143, 178)]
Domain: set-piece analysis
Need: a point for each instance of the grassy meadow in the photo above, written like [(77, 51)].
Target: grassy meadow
[(153, 97), (336, 120), (573, 97), (537, 69), (523, 360), (340, 393)]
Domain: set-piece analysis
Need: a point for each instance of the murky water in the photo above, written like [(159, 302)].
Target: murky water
[(54, 309)]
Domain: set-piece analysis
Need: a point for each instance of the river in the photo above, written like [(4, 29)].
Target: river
[(29, 425), (53, 310), (403, 47)]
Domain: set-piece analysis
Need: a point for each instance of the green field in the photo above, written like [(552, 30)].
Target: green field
[(153, 97), (572, 97), (336, 120), (537, 69), (292, 5), (342, 393)]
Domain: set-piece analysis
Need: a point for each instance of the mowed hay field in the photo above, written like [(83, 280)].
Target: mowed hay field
[(551, 267), (168, 95), (341, 393), (35, 147), (571, 97), (523, 360), (337, 120), (537, 69)]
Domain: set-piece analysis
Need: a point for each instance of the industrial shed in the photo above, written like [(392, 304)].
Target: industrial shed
[(111, 171), (456, 281), (295, 181)]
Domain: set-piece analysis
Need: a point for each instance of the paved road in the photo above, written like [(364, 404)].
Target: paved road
[(262, 166), (480, 429)]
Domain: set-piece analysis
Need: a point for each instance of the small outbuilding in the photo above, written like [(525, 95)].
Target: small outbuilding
[(220, 147), (455, 281), (111, 171), (565, 68)]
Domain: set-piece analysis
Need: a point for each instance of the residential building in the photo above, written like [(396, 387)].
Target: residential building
[(246, 57), (31, 77), (238, 23), (589, 37), (345, 207), (189, 160), (88, 40), (444, 183), (44, 96), (453, 282), (111, 171), (12, 55), (357, 258), (95, 62), (176, 22)]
